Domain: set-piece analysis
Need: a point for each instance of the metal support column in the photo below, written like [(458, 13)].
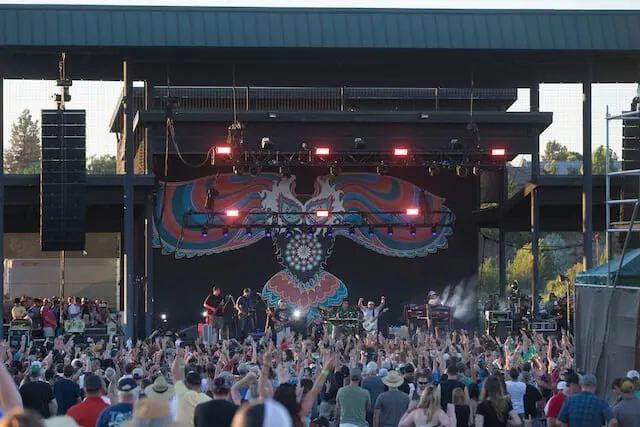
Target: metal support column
[(534, 107), (502, 241), (535, 250), (1, 194), (149, 321), (129, 247), (587, 178)]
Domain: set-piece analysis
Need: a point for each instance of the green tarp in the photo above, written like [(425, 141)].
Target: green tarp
[(629, 275)]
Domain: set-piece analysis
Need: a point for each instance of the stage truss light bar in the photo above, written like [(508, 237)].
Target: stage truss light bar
[(232, 213), (498, 152), (322, 214), (223, 150), (401, 152)]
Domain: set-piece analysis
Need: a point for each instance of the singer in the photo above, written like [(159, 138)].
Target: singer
[(245, 310)]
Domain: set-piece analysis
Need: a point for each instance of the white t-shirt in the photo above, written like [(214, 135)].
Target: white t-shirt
[(516, 390), (369, 314)]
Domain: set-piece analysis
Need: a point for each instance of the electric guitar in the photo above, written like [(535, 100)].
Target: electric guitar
[(370, 325)]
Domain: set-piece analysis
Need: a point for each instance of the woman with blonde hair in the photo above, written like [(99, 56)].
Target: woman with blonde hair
[(495, 409), (459, 411), (428, 413)]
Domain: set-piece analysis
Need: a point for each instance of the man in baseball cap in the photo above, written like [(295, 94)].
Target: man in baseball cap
[(128, 392), (585, 409)]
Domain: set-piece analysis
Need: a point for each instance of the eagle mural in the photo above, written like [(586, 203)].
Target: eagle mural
[(302, 251)]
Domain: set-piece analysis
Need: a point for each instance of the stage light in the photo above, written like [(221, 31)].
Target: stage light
[(248, 231), (413, 211), (232, 212), (204, 231), (434, 233), (225, 232), (401, 152), (204, 314), (267, 232), (288, 233), (297, 314), (266, 143), (310, 232), (329, 233), (498, 152), (358, 143), (389, 231), (371, 231), (322, 214), (412, 230), (462, 171), (163, 316), (322, 151), (352, 231), (225, 149)]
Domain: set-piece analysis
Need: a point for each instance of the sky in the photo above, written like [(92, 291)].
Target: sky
[(565, 101)]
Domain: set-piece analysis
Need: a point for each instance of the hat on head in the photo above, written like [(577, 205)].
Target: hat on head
[(572, 378), (160, 389), (561, 385), (526, 366), (243, 369), (355, 373), (383, 372), (386, 365), (60, 421), (588, 379), (393, 379), (633, 375), (92, 383), (137, 373), (127, 384), (193, 378), (34, 370)]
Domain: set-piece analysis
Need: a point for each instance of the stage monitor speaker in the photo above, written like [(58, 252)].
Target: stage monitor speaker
[(63, 180)]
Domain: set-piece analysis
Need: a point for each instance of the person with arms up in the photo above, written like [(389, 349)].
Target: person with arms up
[(188, 389), (119, 413)]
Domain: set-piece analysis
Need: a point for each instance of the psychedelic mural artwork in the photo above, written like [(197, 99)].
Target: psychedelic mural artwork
[(302, 251)]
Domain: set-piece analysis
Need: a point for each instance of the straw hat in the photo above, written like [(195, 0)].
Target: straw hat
[(152, 412), (393, 379), (160, 389)]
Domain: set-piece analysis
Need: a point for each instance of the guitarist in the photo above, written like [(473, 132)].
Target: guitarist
[(214, 304), (280, 317), (371, 314), (245, 312)]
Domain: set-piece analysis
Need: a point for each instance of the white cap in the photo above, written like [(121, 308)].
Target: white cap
[(561, 385), (633, 375)]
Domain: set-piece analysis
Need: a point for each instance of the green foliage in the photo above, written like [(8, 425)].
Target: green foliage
[(101, 165), (554, 243), (573, 156), (598, 161), (489, 277), (23, 154), (574, 171), (520, 267), (560, 287), (512, 187), (550, 168), (554, 151)]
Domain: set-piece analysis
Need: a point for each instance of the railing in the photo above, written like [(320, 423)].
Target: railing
[(327, 99)]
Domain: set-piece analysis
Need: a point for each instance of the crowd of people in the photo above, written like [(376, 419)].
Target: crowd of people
[(460, 380)]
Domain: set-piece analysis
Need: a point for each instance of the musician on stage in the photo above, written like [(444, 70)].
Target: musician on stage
[(214, 304), (345, 312), (433, 299), (245, 313), (371, 314), (280, 318)]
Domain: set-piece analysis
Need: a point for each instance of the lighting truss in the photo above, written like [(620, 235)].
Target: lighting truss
[(346, 219), (443, 159)]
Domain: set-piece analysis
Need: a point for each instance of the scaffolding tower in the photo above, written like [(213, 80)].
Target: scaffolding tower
[(622, 225)]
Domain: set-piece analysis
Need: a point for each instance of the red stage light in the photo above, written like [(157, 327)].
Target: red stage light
[(322, 151), (322, 214), (498, 152), (401, 152), (233, 212), (223, 150), (413, 211)]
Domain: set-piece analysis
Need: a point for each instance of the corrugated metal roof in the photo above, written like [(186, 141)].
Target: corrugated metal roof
[(120, 26)]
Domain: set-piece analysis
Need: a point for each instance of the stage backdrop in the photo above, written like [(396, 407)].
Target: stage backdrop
[(316, 269)]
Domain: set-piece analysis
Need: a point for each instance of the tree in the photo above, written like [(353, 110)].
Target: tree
[(551, 168), (574, 171), (512, 186), (557, 249), (102, 165), (559, 287), (489, 277), (598, 160), (23, 154), (573, 156), (520, 267), (555, 151)]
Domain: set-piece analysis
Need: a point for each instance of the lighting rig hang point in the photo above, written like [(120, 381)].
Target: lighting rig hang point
[(322, 151), (401, 152), (498, 152)]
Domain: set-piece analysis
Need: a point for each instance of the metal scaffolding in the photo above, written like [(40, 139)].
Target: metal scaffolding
[(622, 225)]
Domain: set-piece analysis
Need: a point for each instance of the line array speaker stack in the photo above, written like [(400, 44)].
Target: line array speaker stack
[(63, 180)]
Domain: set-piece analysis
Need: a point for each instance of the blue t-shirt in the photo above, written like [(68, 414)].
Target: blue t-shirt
[(115, 415)]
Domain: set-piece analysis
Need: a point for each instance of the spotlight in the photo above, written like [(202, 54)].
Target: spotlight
[(371, 231), (412, 230), (248, 232), (288, 233), (462, 171), (498, 152), (163, 317), (352, 231), (358, 143), (232, 212), (413, 211), (297, 314), (434, 232), (401, 152), (266, 143), (322, 214), (322, 151), (225, 149), (310, 232), (389, 231), (205, 231), (329, 233), (204, 314), (267, 232), (225, 231)]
